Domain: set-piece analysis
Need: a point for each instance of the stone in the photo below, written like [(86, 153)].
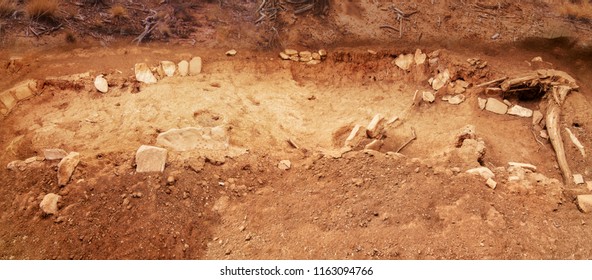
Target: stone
[(193, 138), (537, 117), (305, 58), (526, 166), (404, 61), (373, 127), (493, 91), (419, 57), (150, 159), (585, 202), (143, 74), (495, 106), (372, 52), (290, 52), (589, 185), (8, 100), (232, 52), (24, 89), (101, 84), (295, 58), (507, 102), (520, 111), (316, 56), (428, 96), (352, 135), (66, 167), (168, 67), (183, 68), (195, 66), (491, 183), (322, 52), (313, 62), (462, 83), (305, 54), (543, 134), (374, 145), (53, 154), (482, 102), (457, 99), (285, 164), (441, 79), (284, 56), (49, 204), (537, 59), (16, 165), (446, 97), (578, 179), (482, 171)]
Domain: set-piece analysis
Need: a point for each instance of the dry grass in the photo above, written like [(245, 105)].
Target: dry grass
[(7, 7), (581, 10), (118, 11), (42, 8)]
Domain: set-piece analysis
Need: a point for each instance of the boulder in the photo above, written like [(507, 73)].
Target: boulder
[(195, 66), (285, 165), (143, 74), (53, 154), (183, 68), (168, 67), (496, 106), (193, 138), (404, 61), (585, 203), (101, 84), (481, 171), (150, 159), (520, 111), (49, 204), (66, 167)]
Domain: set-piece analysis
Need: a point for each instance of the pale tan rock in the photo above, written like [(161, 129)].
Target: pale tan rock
[(66, 167), (285, 164), (49, 204), (419, 57), (168, 68), (491, 183), (428, 96), (195, 66), (284, 56), (374, 145), (496, 106), (527, 166), (183, 68), (481, 171), (457, 99), (143, 74), (101, 84), (578, 179), (150, 159), (482, 103), (352, 135), (585, 203), (290, 52), (404, 61), (53, 154), (323, 53), (194, 138), (537, 117), (232, 52), (520, 111), (441, 79), (373, 127)]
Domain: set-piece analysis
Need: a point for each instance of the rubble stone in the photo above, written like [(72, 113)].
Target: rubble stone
[(101, 84), (373, 127), (520, 111), (53, 154), (578, 179), (285, 164), (537, 117), (457, 99), (150, 159), (49, 204), (192, 138), (441, 79), (491, 183), (66, 167), (168, 67), (232, 52), (404, 61), (284, 56), (496, 106), (419, 57), (291, 52), (527, 166), (352, 135), (482, 103), (481, 171), (428, 96), (143, 74)]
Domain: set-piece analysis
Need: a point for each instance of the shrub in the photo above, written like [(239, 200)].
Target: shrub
[(38, 9), (7, 7), (118, 11)]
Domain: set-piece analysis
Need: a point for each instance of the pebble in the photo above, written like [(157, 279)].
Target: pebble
[(482, 103), (404, 61), (491, 183), (170, 180), (284, 56), (284, 164), (101, 84), (520, 111), (373, 126), (232, 52), (482, 171)]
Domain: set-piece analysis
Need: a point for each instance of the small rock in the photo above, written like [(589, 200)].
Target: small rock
[(482, 171), (578, 179), (49, 204), (441, 79), (527, 166), (305, 54), (373, 127), (195, 66), (493, 91), (457, 99), (537, 59), (322, 53), (101, 84), (491, 183), (295, 58), (150, 159), (316, 56), (428, 96), (537, 117), (507, 102), (168, 67), (66, 167), (137, 195), (404, 61), (143, 74), (358, 182), (520, 111), (495, 36), (195, 163), (352, 135), (419, 57), (446, 97), (305, 59), (285, 164), (16, 165), (170, 180), (543, 134), (284, 56), (496, 106), (482, 103), (374, 145), (585, 203), (53, 154), (372, 52), (183, 68), (231, 52), (313, 62), (290, 52)]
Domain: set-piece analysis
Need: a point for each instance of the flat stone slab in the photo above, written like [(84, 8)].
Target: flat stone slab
[(520, 111), (150, 159), (66, 167), (53, 154), (194, 138), (496, 106)]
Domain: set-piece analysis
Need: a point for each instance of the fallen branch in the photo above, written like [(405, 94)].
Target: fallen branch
[(413, 137)]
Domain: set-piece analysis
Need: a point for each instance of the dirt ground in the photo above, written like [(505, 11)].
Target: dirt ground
[(331, 203)]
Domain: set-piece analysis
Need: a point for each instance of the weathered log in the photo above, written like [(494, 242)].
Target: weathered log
[(552, 120), (507, 84)]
